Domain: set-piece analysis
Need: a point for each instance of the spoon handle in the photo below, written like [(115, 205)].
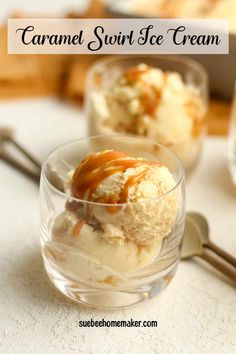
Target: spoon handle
[(26, 153), (7, 136), (19, 167), (226, 256), (222, 267)]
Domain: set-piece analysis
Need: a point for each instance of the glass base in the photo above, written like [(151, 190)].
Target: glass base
[(107, 298)]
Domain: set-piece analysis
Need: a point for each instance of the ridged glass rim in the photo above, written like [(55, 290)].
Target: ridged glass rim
[(65, 195)]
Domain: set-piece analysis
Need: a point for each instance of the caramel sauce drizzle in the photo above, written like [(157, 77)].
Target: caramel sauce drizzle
[(110, 280), (77, 228), (131, 181), (198, 126), (96, 168), (150, 97), (133, 74), (198, 123)]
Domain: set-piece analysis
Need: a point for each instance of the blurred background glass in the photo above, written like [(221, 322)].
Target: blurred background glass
[(104, 77)]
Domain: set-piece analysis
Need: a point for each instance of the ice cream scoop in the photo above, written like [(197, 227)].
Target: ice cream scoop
[(130, 214), (151, 102), (119, 256), (112, 177), (154, 103)]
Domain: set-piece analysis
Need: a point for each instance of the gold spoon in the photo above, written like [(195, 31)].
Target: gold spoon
[(192, 246), (202, 224)]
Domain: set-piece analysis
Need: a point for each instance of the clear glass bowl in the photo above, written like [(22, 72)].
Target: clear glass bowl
[(79, 261), (169, 126)]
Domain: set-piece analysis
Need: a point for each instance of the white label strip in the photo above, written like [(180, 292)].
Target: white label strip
[(118, 36)]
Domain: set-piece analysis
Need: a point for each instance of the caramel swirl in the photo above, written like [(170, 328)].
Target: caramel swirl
[(132, 180), (77, 228), (150, 96), (133, 74), (97, 167)]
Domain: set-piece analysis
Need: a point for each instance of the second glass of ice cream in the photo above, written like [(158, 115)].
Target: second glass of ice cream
[(162, 98)]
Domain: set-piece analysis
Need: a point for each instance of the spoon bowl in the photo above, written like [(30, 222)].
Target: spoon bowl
[(203, 228), (191, 245), (202, 224), (194, 244)]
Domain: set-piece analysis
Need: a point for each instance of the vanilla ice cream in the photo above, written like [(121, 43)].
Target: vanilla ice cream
[(124, 209), (150, 102)]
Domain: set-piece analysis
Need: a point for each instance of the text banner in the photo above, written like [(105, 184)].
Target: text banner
[(117, 36)]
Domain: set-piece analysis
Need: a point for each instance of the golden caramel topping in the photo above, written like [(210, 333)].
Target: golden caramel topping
[(134, 73), (77, 228), (97, 167), (150, 99), (192, 108), (198, 126), (110, 280), (150, 96), (132, 180)]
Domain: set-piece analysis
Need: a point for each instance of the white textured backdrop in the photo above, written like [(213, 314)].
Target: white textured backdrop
[(197, 312)]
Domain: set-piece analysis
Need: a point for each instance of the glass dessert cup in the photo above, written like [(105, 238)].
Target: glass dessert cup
[(179, 127), (79, 259)]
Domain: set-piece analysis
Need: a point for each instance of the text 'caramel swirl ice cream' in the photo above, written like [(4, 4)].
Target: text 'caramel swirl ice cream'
[(122, 211), (150, 102)]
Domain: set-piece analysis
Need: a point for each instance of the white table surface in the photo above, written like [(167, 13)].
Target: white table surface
[(196, 313)]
